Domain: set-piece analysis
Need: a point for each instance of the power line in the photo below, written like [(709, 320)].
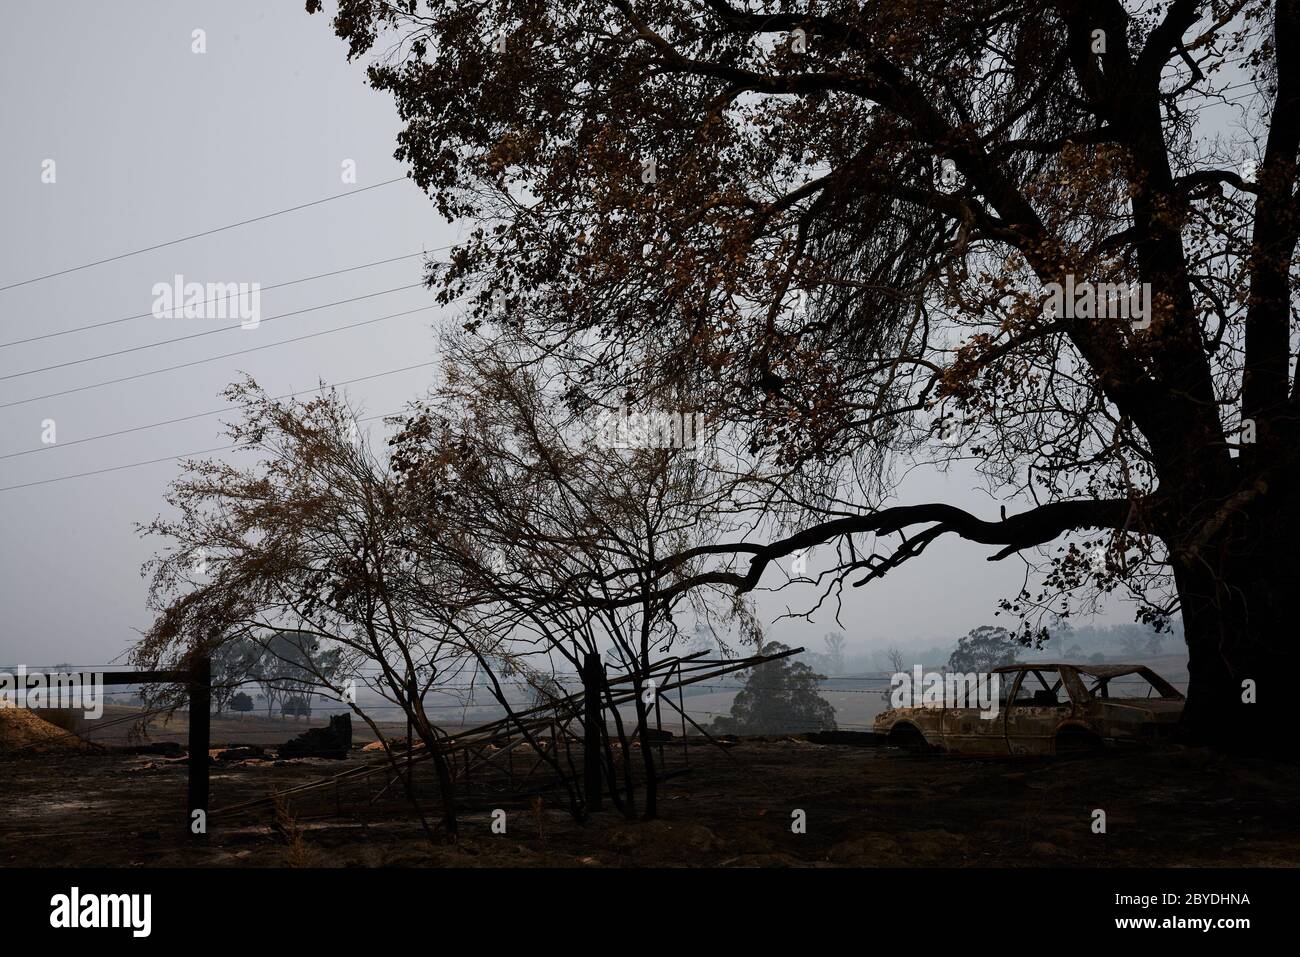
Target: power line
[(227, 355), (279, 285), (206, 232), (118, 468), (165, 458), (208, 332), (200, 415)]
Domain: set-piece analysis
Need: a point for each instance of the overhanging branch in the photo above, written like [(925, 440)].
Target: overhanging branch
[(1037, 526)]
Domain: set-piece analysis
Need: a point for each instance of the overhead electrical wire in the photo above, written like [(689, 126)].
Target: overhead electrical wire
[(199, 235), (200, 415), (165, 458), (206, 332), (227, 355), (278, 285)]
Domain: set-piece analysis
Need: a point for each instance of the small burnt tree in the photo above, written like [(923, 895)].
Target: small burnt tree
[(307, 556), (541, 530)]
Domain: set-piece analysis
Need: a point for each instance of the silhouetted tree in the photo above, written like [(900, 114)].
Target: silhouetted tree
[(835, 652), (234, 661), (895, 660), (983, 649), (779, 697)]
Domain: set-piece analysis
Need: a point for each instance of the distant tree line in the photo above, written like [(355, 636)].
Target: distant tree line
[(286, 667)]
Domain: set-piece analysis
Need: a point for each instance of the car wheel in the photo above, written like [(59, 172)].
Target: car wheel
[(909, 738), (1074, 740)]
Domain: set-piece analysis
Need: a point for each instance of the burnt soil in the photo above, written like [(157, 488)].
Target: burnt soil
[(864, 807)]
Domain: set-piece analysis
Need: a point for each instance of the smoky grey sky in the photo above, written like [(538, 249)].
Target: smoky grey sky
[(152, 141)]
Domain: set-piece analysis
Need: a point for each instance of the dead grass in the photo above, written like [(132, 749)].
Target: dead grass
[(24, 731), (287, 828)]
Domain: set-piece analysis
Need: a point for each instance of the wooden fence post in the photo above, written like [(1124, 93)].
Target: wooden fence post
[(593, 718), (200, 738)]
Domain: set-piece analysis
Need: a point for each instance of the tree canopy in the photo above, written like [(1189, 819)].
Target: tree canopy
[(983, 649)]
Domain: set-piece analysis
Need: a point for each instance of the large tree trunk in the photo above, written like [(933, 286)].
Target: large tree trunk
[(1238, 598)]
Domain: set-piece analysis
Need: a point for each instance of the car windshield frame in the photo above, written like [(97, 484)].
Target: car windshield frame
[(1094, 681), (1067, 680)]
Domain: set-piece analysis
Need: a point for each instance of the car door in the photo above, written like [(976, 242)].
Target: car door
[(1039, 704), (968, 731)]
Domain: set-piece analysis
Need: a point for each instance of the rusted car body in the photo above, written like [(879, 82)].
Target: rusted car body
[(1046, 709)]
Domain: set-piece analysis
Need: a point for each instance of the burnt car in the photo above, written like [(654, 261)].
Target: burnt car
[(1045, 709)]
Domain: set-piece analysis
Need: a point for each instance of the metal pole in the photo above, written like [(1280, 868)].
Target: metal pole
[(659, 726), (681, 704)]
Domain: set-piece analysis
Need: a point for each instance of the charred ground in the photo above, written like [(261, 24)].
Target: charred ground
[(865, 807)]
